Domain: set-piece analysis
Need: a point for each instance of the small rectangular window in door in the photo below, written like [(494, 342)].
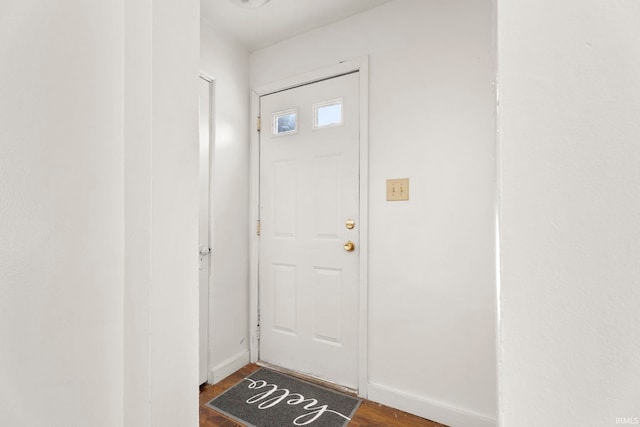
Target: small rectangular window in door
[(327, 113), (285, 122)]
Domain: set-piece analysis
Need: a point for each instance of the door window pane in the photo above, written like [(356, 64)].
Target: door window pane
[(285, 122), (328, 113)]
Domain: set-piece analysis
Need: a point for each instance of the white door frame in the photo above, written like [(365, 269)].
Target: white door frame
[(362, 66), (212, 89)]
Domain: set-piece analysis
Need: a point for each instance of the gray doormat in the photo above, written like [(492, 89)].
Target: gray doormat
[(270, 399)]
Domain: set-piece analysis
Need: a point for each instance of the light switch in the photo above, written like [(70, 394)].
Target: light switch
[(397, 189)]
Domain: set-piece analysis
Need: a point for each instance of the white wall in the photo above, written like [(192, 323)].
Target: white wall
[(570, 197), (228, 63), (138, 136), (61, 232), (98, 238), (173, 249), (432, 260)]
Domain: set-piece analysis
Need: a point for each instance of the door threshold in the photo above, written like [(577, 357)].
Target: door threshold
[(309, 378)]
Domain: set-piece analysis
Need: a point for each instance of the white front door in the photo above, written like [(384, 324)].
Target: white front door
[(309, 213), (204, 234)]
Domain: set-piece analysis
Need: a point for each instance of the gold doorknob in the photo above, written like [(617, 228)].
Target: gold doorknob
[(349, 246)]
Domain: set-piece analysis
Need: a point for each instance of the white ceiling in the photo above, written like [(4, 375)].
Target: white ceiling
[(278, 19)]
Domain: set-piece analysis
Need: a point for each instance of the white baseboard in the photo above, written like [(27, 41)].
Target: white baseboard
[(425, 408), (229, 366)]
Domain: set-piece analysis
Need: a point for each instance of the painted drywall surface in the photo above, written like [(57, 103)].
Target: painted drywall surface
[(432, 259), (63, 175), (138, 107), (161, 216), (228, 63), (570, 197), (61, 228), (161, 244), (174, 313)]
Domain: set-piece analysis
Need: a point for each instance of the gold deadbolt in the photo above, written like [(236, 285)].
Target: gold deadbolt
[(349, 246), (350, 224)]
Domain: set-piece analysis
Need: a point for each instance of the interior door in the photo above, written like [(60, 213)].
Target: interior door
[(309, 213), (204, 221)]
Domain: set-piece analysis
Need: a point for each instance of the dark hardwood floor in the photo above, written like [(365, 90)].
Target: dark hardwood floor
[(369, 413)]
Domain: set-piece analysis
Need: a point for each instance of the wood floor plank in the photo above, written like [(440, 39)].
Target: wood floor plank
[(369, 414)]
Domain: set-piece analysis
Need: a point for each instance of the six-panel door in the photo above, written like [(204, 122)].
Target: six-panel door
[(309, 202)]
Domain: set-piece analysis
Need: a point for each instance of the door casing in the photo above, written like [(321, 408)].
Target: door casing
[(207, 316), (360, 65)]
